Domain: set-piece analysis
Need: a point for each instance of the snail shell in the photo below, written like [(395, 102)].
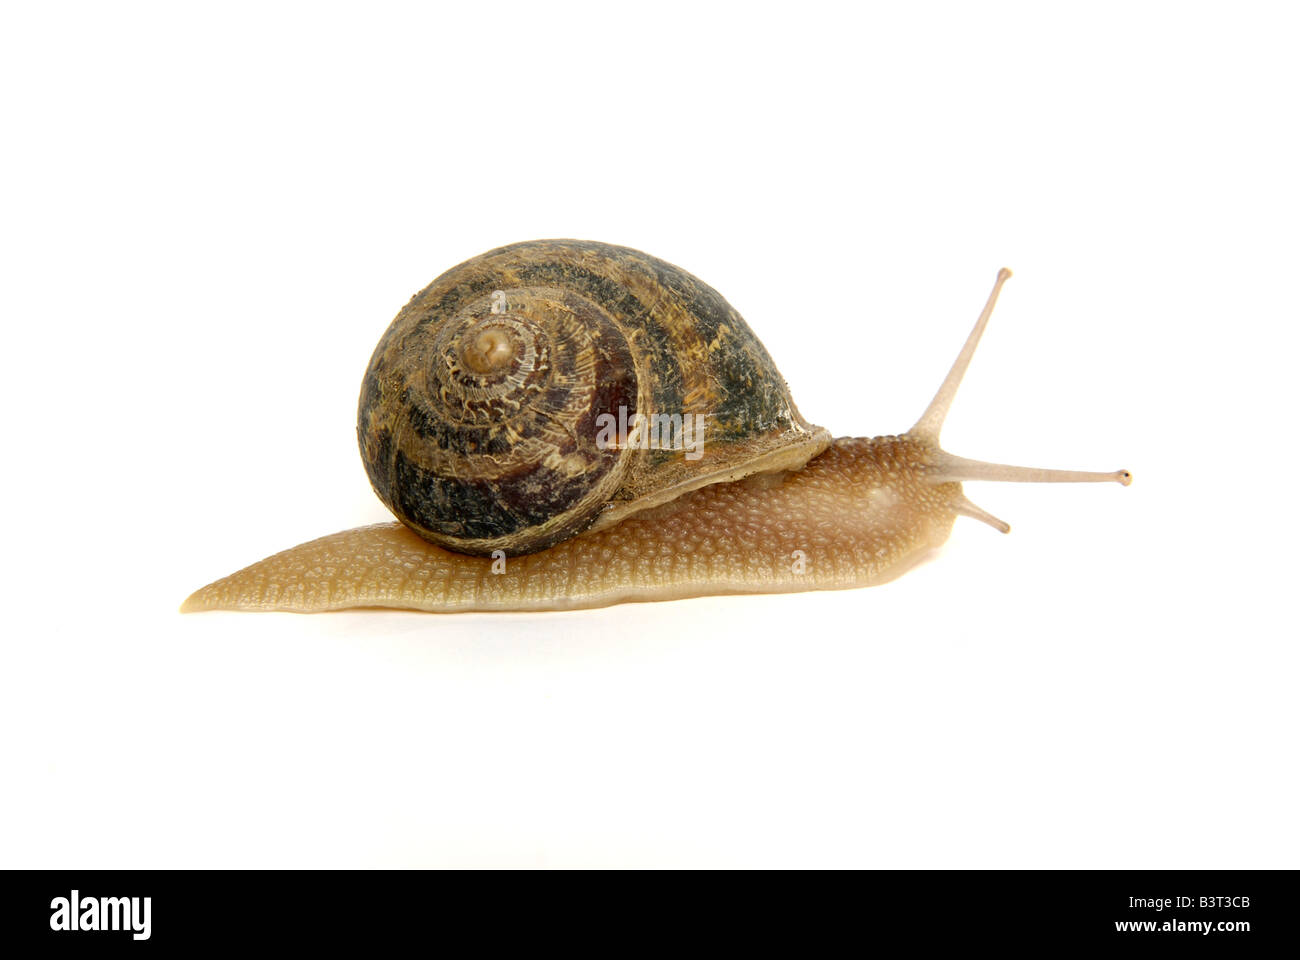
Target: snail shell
[(481, 409)]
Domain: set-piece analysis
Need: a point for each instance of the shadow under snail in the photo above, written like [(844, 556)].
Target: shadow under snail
[(561, 424)]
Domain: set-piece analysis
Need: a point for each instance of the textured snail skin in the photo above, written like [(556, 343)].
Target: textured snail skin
[(862, 513)]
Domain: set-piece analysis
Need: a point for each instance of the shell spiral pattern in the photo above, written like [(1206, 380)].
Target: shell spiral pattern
[(482, 406)]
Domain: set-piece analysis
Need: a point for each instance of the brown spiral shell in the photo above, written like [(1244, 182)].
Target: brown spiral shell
[(480, 411)]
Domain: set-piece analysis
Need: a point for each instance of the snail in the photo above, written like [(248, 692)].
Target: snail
[(561, 424)]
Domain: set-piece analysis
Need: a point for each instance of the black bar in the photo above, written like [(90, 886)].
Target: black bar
[(1237, 911)]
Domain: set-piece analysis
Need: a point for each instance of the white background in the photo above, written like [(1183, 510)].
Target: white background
[(210, 213)]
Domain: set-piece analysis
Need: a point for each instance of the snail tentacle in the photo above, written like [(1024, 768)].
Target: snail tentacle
[(931, 421), (945, 467)]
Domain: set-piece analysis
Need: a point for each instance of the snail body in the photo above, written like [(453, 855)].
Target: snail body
[(486, 423)]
